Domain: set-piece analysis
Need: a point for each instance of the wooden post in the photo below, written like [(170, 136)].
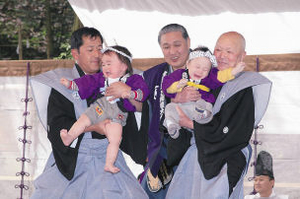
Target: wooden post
[(20, 41)]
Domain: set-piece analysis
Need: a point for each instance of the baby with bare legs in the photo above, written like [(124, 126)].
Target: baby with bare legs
[(116, 66)]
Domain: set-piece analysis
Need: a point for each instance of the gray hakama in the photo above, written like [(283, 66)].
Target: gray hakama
[(189, 181), (90, 180)]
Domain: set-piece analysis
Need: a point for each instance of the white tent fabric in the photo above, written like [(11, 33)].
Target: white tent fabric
[(270, 27)]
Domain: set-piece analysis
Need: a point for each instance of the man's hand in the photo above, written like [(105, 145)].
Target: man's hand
[(116, 90), (126, 95), (184, 121), (188, 94)]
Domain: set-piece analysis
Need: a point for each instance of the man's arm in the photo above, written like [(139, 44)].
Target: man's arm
[(235, 119), (138, 105), (61, 115), (186, 95), (226, 135), (117, 90)]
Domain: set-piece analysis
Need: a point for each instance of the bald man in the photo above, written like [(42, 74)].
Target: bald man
[(216, 162)]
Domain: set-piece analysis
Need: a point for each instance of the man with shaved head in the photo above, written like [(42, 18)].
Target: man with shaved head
[(230, 49), (217, 160)]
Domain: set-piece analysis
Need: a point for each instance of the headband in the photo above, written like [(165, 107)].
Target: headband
[(198, 53), (117, 51)]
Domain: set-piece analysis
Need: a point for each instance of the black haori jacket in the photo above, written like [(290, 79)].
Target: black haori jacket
[(58, 108), (240, 106)]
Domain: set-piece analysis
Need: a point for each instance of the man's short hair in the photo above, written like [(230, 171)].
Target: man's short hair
[(76, 38), (173, 28)]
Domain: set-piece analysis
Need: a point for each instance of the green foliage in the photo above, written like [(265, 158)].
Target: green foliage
[(30, 16), (65, 51)]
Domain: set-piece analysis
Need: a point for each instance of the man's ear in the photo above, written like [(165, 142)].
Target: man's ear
[(75, 53), (189, 42), (273, 182), (243, 56)]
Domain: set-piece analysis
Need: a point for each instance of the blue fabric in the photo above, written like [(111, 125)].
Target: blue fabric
[(161, 194), (189, 181), (90, 180)]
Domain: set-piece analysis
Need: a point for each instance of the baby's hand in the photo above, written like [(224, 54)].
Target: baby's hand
[(182, 83), (65, 82), (238, 68)]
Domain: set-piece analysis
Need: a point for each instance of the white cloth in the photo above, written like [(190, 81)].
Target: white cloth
[(110, 81), (272, 196)]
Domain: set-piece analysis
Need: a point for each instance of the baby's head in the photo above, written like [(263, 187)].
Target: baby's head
[(200, 62), (116, 61)]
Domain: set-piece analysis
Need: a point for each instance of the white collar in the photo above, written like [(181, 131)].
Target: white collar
[(272, 194), (112, 80)]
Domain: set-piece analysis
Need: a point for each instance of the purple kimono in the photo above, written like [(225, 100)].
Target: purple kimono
[(89, 85), (211, 81)]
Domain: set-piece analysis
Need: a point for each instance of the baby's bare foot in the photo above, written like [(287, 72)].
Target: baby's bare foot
[(66, 137), (111, 168)]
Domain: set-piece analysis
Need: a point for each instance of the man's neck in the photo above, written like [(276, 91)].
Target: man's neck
[(266, 194), (173, 68), (80, 71)]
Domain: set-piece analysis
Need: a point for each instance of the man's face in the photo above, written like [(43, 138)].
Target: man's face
[(112, 67), (89, 55), (175, 49), (199, 68), (228, 51), (263, 185)]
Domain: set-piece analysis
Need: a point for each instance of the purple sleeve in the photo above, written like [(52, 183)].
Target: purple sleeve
[(89, 85), (169, 80), (207, 96), (211, 80), (136, 82)]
